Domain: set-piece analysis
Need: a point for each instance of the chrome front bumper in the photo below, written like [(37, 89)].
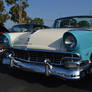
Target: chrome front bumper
[(47, 69)]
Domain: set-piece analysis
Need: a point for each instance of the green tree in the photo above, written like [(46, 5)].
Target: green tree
[(3, 14), (83, 23), (27, 20), (14, 10), (37, 21)]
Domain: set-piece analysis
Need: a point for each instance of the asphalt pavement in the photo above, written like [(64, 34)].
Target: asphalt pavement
[(21, 81)]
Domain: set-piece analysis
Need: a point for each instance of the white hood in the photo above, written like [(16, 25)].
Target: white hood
[(48, 39)]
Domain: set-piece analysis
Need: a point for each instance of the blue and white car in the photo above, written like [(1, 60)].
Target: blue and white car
[(64, 51)]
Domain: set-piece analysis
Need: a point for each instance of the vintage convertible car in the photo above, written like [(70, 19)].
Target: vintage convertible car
[(64, 51)]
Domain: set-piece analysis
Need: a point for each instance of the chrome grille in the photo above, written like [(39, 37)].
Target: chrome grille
[(40, 56)]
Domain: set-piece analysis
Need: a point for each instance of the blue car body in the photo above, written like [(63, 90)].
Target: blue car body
[(84, 43)]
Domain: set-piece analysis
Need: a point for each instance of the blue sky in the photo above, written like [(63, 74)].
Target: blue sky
[(49, 10)]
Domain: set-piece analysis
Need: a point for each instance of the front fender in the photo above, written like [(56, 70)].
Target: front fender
[(84, 43), (86, 54)]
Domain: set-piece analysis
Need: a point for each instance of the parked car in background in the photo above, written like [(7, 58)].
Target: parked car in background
[(64, 51), (27, 27)]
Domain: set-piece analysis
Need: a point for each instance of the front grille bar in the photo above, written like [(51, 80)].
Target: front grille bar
[(37, 56)]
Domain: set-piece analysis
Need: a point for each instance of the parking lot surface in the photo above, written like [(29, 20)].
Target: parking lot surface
[(20, 81)]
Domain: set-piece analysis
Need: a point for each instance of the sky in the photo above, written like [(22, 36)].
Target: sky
[(50, 10)]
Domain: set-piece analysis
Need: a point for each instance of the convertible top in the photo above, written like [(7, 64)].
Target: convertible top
[(2, 28), (87, 16)]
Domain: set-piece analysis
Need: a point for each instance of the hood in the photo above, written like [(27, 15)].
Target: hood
[(46, 39)]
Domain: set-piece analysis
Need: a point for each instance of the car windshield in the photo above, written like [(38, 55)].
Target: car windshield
[(74, 22)]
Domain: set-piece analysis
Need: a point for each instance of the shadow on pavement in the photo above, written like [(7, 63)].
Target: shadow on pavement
[(84, 84), (50, 82)]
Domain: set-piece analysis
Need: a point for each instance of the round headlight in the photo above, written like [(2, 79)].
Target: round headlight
[(70, 41), (6, 41), (3, 39)]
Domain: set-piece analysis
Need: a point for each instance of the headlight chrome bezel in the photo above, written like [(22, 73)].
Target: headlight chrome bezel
[(69, 41), (3, 39), (6, 41)]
